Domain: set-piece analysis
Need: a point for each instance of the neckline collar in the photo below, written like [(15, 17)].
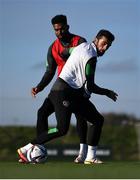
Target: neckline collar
[(93, 45)]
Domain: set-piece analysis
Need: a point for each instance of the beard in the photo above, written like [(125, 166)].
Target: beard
[(99, 53)]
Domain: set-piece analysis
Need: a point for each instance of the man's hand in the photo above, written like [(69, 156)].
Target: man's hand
[(112, 95), (34, 91)]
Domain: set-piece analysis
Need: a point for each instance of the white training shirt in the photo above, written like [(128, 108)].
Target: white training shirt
[(73, 71)]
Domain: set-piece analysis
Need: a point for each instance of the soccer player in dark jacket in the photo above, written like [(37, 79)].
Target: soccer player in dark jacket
[(57, 56)]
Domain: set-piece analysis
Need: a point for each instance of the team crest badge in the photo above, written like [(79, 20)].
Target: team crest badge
[(66, 103)]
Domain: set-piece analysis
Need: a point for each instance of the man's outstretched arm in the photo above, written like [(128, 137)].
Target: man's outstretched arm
[(48, 75), (91, 86)]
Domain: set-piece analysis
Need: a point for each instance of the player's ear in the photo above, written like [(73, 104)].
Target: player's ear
[(95, 41)]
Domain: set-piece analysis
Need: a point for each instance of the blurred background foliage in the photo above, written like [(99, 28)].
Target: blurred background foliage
[(119, 133)]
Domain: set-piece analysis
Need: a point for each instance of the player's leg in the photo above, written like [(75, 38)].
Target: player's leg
[(90, 113), (42, 116), (94, 133), (81, 127), (41, 128), (63, 115)]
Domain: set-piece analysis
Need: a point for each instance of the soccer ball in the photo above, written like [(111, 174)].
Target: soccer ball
[(37, 154)]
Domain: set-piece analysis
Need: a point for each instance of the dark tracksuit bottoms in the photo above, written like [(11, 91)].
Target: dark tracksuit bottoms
[(65, 100)]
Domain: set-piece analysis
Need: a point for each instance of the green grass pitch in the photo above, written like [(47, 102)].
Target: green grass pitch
[(69, 170)]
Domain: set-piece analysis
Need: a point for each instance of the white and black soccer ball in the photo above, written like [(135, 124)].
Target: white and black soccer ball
[(37, 154)]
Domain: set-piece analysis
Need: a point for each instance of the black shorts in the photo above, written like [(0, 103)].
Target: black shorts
[(67, 100)]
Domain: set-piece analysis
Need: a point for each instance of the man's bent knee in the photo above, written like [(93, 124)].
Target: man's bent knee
[(62, 132)]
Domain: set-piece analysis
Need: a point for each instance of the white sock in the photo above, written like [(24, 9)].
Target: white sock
[(91, 153), (27, 147), (83, 150)]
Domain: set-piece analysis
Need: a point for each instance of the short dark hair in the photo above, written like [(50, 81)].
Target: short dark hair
[(59, 19), (105, 33)]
